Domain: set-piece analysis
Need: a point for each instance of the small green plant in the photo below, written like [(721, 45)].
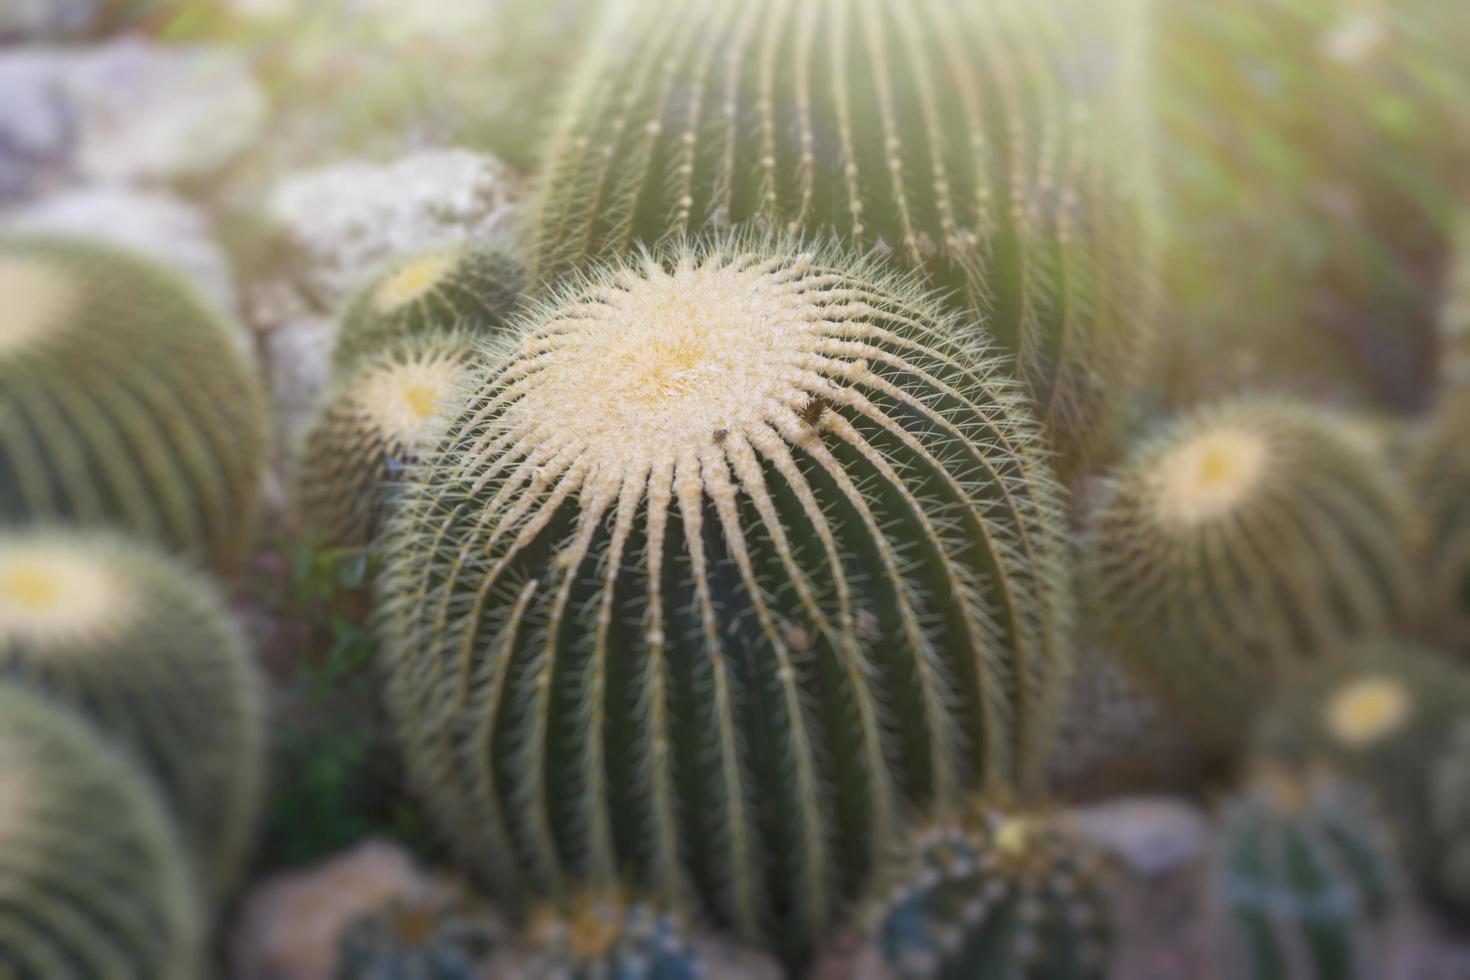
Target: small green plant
[(470, 287), (739, 553), (1241, 543), (93, 883), (125, 402), (1306, 880), (1394, 717), (149, 651), (991, 893)]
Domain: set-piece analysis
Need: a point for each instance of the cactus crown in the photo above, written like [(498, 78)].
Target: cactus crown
[(54, 596), (1206, 477), (1366, 709), (401, 396), (40, 299), (410, 281)]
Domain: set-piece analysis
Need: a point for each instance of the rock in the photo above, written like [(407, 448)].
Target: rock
[(31, 20), (155, 223), (291, 924), (1149, 835), (127, 110)]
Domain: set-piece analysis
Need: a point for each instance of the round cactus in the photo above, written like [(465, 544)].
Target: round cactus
[(738, 553), (612, 934), (124, 402), (91, 883), (1393, 717), (432, 939), (470, 286), (1306, 880), (372, 426), (1440, 469), (148, 651), (990, 894), (994, 146), (1240, 543)]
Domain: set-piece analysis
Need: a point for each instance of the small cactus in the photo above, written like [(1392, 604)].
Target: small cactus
[(612, 934), (371, 428), (1396, 718), (1306, 880), (1242, 542), (994, 146), (739, 553), (148, 651), (474, 287), (992, 893), (124, 402), (429, 939), (91, 882)]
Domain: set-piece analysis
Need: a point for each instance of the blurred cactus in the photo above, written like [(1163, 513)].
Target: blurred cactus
[(124, 402), (431, 939), (738, 554), (997, 147), (373, 424), (993, 894), (93, 884), (1394, 717), (611, 934), (1440, 469), (1306, 880), (470, 287), (148, 651), (1240, 543)]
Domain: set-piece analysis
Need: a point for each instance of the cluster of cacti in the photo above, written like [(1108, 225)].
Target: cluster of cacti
[(996, 147), (1238, 544), (610, 934), (462, 286), (91, 881), (1393, 717), (151, 655), (429, 939), (124, 401), (740, 552), (990, 893), (373, 424), (1305, 879), (1313, 155)]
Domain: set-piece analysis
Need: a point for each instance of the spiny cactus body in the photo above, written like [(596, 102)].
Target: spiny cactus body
[(91, 881), (1440, 470), (613, 934), (372, 427), (990, 894), (1393, 717), (1306, 880), (1240, 543), (124, 402), (432, 939), (150, 654), (475, 287), (994, 146), (736, 555)]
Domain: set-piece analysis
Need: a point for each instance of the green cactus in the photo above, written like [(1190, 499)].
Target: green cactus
[(1241, 542), (614, 935), (1393, 717), (124, 402), (149, 652), (1440, 470), (739, 552), (91, 882), (991, 893), (474, 287), (994, 146), (1305, 879), (371, 428), (431, 939)]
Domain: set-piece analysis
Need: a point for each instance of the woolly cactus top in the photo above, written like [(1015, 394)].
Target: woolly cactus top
[(37, 298), (403, 398), (56, 596), (1366, 709), (1209, 474), (412, 280)]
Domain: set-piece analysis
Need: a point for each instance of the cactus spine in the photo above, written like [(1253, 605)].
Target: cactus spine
[(372, 427), (992, 893), (474, 287), (1306, 880), (740, 551), (124, 402), (994, 146), (1240, 543), (148, 651), (91, 883), (1393, 717)]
